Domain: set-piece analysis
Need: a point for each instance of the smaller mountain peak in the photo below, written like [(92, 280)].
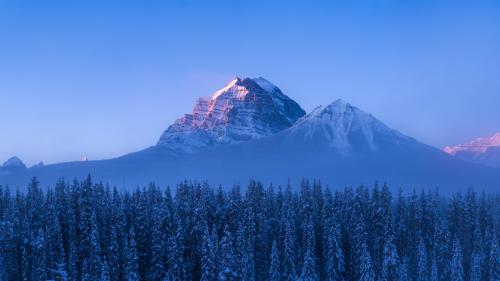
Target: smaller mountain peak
[(475, 146), (340, 103), (338, 107), (14, 162)]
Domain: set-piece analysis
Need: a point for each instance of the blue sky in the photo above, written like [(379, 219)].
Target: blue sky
[(103, 78)]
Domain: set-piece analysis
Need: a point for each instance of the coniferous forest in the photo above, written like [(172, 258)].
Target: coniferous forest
[(91, 231)]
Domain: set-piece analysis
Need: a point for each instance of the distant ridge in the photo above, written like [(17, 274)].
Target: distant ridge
[(485, 151)]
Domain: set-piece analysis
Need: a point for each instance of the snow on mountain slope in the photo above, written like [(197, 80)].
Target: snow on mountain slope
[(245, 109), (13, 164), (344, 128), (485, 151)]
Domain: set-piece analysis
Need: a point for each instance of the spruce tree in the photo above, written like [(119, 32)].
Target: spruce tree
[(494, 261), (390, 263), (227, 269), (3, 272), (457, 271), (208, 256), (421, 262), (434, 270), (274, 268), (157, 269), (289, 255), (309, 267), (105, 275), (404, 273), (333, 255), (38, 270), (132, 265)]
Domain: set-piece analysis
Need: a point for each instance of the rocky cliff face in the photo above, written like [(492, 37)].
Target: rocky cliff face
[(245, 109)]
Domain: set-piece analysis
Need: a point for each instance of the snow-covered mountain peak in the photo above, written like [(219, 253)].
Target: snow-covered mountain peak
[(244, 109), (476, 146), (485, 151), (14, 162), (345, 127)]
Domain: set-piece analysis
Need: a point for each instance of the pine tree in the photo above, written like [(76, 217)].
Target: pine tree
[(363, 266), (309, 267), (38, 271), (421, 262), (157, 269), (105, 276), (390, 263), (457, 271), (333, 255), (175, 251), (94, 257), (404, 274), (86, 272), (3, 272), (72, 261), (434, 270), (494, 261), (475, 264), (274, 268), (132, 268), (208, 265), (227, 270), (289, 255)]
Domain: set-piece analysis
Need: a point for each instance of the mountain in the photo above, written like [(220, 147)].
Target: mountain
[(245, 109), (485, 151), (12, 165), (344, 128), (250, 129)]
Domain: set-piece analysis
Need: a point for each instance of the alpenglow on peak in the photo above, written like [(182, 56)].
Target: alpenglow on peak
[(245, 109)]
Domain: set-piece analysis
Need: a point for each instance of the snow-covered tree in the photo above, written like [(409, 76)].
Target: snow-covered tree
[(494, 261), (333, 257), (457, 270), (208, 257), (105, 276), (390, 263), (132, 264), (274, 268), (404, 273), (434, 270), (421, 262), (290, 248), (227, 261), (309, 267)]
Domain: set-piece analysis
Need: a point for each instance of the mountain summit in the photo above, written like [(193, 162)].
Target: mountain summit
[(485, 151), (245, 109), (344, 128)]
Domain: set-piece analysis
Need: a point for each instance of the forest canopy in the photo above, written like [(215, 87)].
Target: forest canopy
[(91, 231)]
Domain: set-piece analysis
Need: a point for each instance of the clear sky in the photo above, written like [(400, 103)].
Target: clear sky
[(103, 78)]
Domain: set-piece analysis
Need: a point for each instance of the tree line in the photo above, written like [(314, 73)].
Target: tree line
[(82, 230)]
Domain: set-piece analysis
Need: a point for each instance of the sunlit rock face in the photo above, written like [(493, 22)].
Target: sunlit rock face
[(245, 109), (484, 151)]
